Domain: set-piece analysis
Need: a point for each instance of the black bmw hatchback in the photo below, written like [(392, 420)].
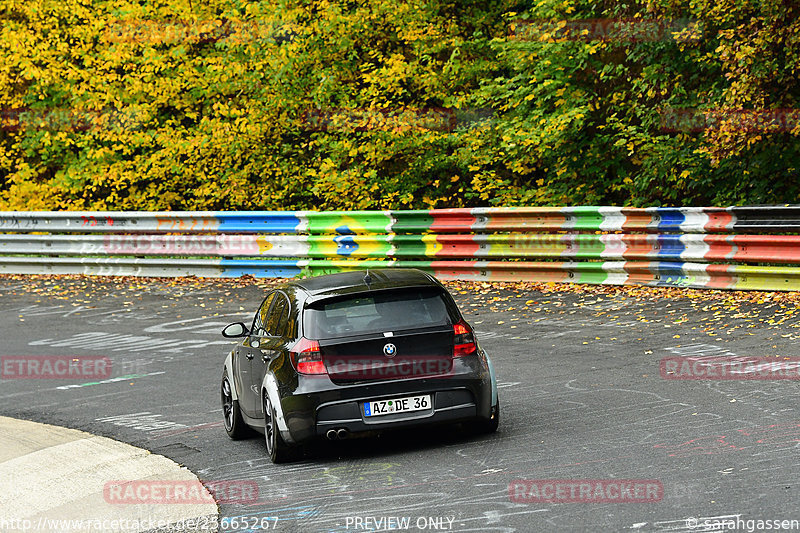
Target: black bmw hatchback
[(356, 352)]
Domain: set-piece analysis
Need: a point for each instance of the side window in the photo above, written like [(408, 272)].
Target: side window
[(278, 317), (291, 324), (260, 319)]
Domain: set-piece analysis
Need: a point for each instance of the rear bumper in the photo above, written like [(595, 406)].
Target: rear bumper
[(317, 405), (448, 406)]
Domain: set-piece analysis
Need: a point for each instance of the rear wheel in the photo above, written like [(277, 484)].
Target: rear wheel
[(277, 449), (234, 424)]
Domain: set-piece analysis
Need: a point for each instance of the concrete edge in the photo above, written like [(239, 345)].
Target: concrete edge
[(56, 478)]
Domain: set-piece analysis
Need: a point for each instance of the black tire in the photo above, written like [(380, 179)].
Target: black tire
[(277, 449), (231, 413)]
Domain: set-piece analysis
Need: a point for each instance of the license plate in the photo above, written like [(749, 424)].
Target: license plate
[(397, 405)]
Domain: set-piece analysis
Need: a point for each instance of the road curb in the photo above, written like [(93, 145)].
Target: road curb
[(53, 479)]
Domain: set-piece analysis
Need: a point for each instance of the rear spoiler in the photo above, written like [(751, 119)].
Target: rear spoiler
[(338, 294)]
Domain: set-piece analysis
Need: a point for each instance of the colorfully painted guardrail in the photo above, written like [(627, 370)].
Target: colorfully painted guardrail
[(733, 248)]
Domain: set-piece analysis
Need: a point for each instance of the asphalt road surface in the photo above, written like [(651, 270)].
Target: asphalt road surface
[(582, 394)]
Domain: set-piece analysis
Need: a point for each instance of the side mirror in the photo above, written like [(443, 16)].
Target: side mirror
[(235, 330)]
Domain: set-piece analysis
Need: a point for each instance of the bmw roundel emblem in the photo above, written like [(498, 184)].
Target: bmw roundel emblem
[(389, 350)]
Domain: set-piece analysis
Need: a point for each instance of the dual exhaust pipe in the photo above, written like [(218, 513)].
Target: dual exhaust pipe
[(337, 434)]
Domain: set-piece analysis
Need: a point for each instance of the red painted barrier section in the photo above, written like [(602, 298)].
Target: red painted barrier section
[(457, 246), (456, 220), (527, 219), (721, 278), (719, 247), (719, 220), (636, 220), (639, 246), (767, 248), (641, 272)]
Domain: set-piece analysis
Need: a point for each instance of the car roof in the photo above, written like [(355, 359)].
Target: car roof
[(342, 283)]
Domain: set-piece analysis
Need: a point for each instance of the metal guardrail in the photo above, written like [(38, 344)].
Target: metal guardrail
[(731, 248)]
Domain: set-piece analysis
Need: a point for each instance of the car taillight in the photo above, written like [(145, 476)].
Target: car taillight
[(464, 342), (307, 357)]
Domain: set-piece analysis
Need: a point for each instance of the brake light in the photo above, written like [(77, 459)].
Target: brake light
[(307, 357), (464, 341)]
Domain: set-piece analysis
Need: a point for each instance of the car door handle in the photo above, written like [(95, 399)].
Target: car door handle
[(249, 355)]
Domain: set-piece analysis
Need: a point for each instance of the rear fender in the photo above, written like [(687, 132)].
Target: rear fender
[(490, 367), (271, 387), (494, 380)]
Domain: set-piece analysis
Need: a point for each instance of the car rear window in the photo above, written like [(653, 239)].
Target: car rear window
[(373, 312)]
